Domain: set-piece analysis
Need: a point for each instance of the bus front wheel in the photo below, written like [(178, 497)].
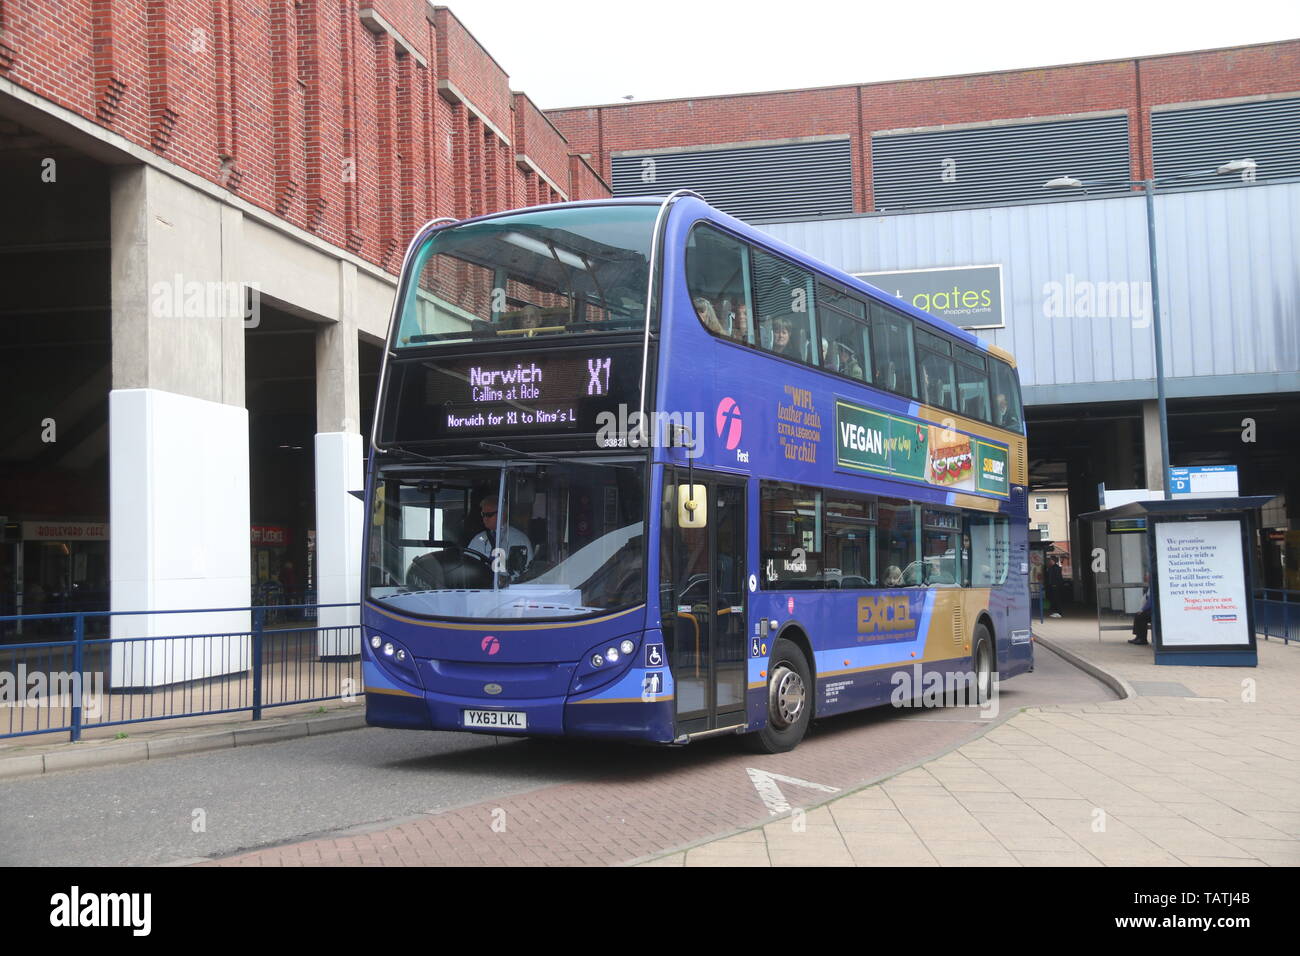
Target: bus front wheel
[(789, 700)]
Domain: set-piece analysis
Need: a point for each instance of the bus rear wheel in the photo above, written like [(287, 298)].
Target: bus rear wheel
[(789, 700)]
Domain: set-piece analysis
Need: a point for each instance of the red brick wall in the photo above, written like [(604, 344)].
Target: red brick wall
[(536, 136), (584, 183), (1130, 85), (298, 108), (472, 70)]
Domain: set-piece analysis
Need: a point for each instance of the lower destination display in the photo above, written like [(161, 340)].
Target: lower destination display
[(899, 447)]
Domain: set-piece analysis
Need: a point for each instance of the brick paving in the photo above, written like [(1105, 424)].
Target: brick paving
[(1206, 779), (673, 797), (670, 798)]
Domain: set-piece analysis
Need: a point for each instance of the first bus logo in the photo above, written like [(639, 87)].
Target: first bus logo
[(728, 424)]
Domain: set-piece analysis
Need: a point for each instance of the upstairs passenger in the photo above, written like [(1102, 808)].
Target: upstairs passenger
[(783, 341), (531, 318), (740, 328), (887, 375), (1003, 415), (704, 309)]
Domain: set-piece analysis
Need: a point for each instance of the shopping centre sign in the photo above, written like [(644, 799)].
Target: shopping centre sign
[(967, 296)]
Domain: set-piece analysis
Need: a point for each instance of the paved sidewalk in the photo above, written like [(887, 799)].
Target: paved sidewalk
[(1200, 766)]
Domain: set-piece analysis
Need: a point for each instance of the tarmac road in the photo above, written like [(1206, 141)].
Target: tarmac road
[(221, 803)]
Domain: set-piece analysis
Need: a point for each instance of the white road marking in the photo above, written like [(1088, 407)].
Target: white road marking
[(765, 783)]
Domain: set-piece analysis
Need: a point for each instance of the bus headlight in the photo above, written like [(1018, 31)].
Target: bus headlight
[(597, 660), (388, 649), (611, 654), (627, 647), (375, 641)]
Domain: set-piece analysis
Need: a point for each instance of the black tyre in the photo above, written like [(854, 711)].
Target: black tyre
[(789, 700), (984, 664)]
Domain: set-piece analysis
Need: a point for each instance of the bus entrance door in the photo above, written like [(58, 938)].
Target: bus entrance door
[(706, 649)]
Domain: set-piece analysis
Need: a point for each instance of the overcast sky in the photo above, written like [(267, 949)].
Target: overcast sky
[(580, 52)]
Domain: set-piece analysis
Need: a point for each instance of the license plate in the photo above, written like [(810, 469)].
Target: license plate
[(498, 719)]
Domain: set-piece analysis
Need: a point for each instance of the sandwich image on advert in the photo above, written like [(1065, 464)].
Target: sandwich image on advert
[(950, 461)]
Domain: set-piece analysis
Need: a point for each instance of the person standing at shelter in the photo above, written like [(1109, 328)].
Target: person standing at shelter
[(1055, 585), (1143, 620)]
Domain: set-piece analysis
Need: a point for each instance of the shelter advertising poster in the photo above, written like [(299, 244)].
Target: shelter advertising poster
[(1202, 588)]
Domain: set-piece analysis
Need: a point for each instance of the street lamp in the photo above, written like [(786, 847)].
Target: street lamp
[(1236, 166)]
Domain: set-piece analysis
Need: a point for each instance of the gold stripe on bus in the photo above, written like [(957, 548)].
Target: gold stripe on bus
[(939, 642), (623, 700), (489, 626), (975, 502), (1002, 354), (392, 691)]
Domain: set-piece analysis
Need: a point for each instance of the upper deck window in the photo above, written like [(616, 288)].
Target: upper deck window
[(717, 274), (544, 273)]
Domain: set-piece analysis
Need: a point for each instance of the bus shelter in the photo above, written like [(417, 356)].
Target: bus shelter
[(1195, 557)]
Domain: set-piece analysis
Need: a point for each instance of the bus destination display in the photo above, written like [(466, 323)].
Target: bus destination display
[(510, 394)]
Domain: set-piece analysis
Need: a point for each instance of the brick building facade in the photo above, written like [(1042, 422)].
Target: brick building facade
[(356, 120)]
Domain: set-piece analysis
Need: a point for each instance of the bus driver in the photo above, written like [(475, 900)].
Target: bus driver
[(489, 538)]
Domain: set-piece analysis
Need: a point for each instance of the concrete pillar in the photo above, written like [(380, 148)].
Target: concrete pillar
[(339, 471), (1153, 465), (178, 432)]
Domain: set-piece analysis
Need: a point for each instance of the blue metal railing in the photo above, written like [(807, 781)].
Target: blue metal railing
[(1277, 614), (57, 677)]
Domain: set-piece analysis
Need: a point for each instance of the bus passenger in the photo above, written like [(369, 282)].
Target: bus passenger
[(740, 328), (531, 317), (782, 341), (1003, 415), (707, 315), (893, 576), (849, 364)]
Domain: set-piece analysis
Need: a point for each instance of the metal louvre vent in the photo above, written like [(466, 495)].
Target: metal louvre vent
[(998, 164), (958, 621), (752, 182), (1205, 137)]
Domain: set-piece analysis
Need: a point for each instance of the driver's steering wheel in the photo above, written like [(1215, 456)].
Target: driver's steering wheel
[(428, 570)]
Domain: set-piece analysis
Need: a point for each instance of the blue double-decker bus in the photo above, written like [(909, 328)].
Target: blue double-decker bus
[(640, 471)]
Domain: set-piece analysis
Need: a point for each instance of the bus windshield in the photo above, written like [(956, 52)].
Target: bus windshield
[(547, 272), (545, 539)]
